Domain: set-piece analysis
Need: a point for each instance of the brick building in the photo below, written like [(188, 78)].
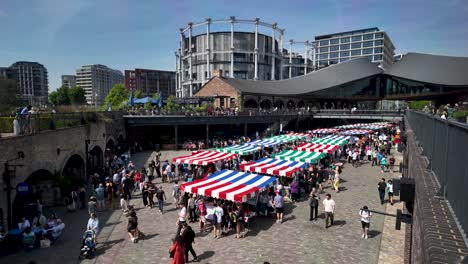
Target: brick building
[(150, 82)]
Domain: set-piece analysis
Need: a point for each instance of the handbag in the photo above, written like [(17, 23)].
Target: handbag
[(45, 243)]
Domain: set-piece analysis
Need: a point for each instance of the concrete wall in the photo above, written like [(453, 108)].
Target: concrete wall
[(40, 150)]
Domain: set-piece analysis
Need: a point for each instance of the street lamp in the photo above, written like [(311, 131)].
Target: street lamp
[(8, 187)]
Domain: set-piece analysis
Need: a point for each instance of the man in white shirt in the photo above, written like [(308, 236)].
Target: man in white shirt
[(218, 217), (54, 233), (365, 220), (329, 208)]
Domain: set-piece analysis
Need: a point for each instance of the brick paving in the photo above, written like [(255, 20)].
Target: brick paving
[(295, 241)]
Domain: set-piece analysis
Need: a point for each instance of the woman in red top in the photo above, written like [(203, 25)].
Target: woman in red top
[(137, 180), (177, 250)]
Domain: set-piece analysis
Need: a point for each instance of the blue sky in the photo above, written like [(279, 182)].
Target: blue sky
[(125, 34)]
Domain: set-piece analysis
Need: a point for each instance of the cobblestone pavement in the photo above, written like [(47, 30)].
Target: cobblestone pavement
[(295, 241)]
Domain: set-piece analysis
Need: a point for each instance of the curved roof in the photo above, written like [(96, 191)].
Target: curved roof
[(434, 69), (332, 76)]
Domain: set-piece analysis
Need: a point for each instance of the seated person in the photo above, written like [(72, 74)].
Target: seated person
[(23, 224), (52, 221), (28, 237), (56, 231)]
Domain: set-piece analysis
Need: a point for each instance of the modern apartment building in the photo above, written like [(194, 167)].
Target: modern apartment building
[(69, 80), (97, 80), (372, 43), (32, 81), (150, 82)]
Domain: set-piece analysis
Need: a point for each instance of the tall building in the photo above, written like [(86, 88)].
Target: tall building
[(372, 43), (5, 73), (32, 81), (150, 82), (97, 80), (69, 81)]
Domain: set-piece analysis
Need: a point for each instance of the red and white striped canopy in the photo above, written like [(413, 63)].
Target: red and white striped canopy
[(273, 166), (357, 132), (298, 134), (230, 185), (204, 157), (311, 147)]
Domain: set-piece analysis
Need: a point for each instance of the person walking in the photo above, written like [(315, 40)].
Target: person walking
[(374, 158), (151, 191), (313, 202), (382, 186), (202, 209), (218, 219), (294, 191), (278, 204), (175, 193), (100, 197), (365, 221), (177, 250), (336, 181), (191, 206), (390, 191), (329, 208), (161, 198), (188, 236)]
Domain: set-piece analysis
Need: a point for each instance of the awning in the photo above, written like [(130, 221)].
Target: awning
[(203, 157), (325, 131), (330, 141), (302, 156), (334, 137), (239, 149), (230, 185), (349, 126), (311, 147), (298, 134), (265, 142), (273, 166), (357, 132)]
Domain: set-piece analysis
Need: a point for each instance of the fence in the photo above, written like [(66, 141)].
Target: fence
[(36, 122), (445, 144)]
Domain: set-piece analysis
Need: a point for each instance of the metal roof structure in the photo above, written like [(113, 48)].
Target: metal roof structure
[(433, 69)]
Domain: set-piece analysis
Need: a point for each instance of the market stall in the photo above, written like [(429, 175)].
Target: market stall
[(265, 143), (204, 157), (330, 141), (312, 147), (273, 166), (230, 185), (242, 150), (357, 132), (302, 156), (325, 131)]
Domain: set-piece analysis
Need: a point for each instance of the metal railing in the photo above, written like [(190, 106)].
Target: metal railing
[(36, 122), (444, 143)]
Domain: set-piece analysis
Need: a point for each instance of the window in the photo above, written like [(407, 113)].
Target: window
[(356, 45), (378, 35), (345, 40), (323, 56), (324, 49), (357, 38), (377, 57), (377, 50), (323, 63), (355, 52), (334, 41), (367, 44), (334, 48), (366, 51), (344, 54), (334, 55), (368, 36), (378, 43), (369, 58), (344, 47), (344, 59), (324, 42)]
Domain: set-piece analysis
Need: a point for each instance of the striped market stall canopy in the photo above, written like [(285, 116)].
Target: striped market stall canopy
[(335, 137), (349, 126), (267, 143), (203, 157), (325, 131), (311, 147), (357, 132), (330, 141), (287, 138), (246, 149), (230, 185), (298, 134), (302, 156), (273, 166)]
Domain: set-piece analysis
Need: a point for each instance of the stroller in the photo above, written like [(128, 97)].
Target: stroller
[(88, 245)]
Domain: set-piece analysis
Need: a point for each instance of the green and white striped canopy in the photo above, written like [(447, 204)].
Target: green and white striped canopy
[(330, 141), (301, 156), (239, 149)]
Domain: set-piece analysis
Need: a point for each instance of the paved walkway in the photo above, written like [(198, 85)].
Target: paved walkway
[(295, 241)]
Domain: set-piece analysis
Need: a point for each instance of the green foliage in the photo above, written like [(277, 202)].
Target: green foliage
[(418, 105), (171, 106), (77, 95), (148, 106), (60, 96), (460, 114), (156, 96), (138, 94), (117, 95), (201, 109), (7, 95)]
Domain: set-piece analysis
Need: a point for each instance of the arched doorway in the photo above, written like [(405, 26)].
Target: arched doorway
[(74, 168), (45, 188), (265, 104), (250, 103), (96, 160)]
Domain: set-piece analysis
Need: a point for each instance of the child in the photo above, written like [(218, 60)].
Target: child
[(123, 202)]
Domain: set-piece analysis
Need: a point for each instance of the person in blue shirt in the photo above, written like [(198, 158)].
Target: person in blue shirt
[(100, 197)]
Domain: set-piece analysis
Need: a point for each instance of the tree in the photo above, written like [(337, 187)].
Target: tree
[(77, 95), (60, 96), (137, 94), (117, 95), (7, 95)]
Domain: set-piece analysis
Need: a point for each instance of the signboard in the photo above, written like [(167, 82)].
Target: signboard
[(23, 188)]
